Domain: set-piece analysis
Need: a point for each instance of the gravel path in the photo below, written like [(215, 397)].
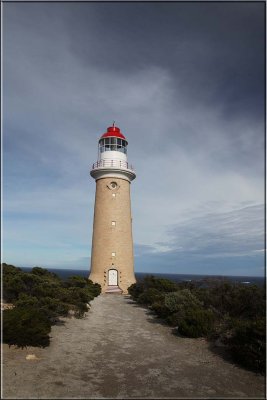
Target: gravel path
[(120, 351)]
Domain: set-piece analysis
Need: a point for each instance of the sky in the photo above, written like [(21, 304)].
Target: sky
[(185, 84)]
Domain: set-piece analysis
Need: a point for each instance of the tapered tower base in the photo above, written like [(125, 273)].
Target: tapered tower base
[(112, 264)]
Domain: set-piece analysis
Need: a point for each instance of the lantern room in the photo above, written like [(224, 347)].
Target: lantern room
[(113, 140)]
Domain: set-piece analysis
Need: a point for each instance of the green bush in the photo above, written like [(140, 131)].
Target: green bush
[(160, 309), (44, 273), (74, 295), (171, 306), (42, 293), (76, 281), (94, 288), (150, 282), (162, 285), (25, 300), (175, 318), (178, 303), (79, 309), (237, 300), (13, 283), (135, 290), (26, 326), (196, 323), (247, 302), (53, 308), (151, 295), (182, 299), (247, 344)]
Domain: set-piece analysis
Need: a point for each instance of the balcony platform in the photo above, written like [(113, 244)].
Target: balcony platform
[(121, 164), (116, 168)]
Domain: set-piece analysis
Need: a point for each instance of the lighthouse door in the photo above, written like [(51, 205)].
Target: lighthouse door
[(113, 277)]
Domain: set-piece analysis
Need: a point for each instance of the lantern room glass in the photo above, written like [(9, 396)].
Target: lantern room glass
[(112, 144)]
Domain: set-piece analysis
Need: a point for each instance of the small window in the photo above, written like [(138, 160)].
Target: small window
[(113, 185), (113, 254), (113, 223)]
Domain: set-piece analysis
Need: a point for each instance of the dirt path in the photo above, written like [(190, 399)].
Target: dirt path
[(118, 351)]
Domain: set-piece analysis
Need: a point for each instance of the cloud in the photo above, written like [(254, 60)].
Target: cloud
[(236, 233), (188, 96), (229, 243)]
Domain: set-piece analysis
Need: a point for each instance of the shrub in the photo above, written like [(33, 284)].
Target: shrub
[(175, 318), (79, 309), (26, 326), (13, 283), (94, 288), (160, 309), (182, 299), (75, 281), (196, 323), (40, 297), (135, 290), (151, 289), (162, 285), (42, 272), (151, 295), (178, 304), (44, 289), (237, 300), (247, 344), (247, 302), (76, 295), (53, 308), (25, 300)]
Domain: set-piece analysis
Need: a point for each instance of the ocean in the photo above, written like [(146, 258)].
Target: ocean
[(246, 280)]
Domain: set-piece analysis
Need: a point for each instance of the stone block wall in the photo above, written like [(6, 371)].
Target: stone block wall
[(112, 204)]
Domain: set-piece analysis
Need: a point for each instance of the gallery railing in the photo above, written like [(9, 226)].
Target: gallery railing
[(112, 164)]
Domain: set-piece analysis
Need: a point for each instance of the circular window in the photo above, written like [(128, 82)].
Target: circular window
[(113, 185)]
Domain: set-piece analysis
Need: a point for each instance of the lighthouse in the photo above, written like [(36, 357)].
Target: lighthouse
[(112, 261)]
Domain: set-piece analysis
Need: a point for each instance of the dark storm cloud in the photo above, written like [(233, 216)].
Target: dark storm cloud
[(213, 53), (217, 47)]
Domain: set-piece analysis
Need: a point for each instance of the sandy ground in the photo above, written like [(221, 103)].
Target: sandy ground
[(120, 351)]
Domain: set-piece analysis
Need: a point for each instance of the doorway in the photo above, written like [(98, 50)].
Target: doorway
[(113, 277)]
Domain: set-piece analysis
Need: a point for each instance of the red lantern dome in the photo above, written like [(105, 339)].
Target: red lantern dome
[(113, 131)]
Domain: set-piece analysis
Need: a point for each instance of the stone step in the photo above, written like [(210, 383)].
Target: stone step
[(113, 289)]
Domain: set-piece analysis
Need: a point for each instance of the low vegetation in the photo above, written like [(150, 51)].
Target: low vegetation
[(39, 298), (230, 315)]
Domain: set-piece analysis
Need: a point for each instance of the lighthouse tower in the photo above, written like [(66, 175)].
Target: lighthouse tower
[(112, 263)]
